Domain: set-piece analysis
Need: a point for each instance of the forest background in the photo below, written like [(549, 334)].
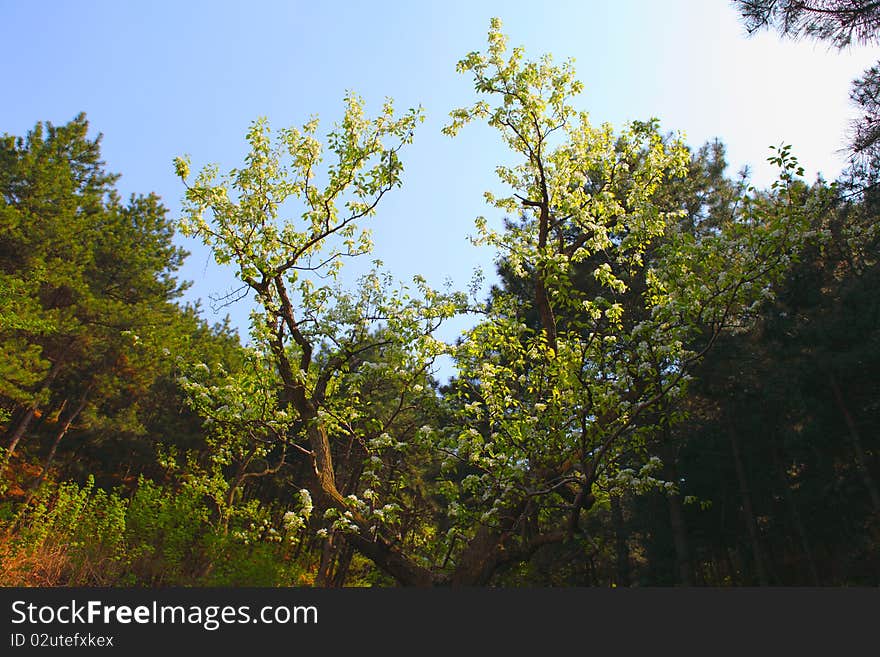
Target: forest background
[(669, 379)]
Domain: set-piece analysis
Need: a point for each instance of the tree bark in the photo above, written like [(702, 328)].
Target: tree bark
[(343, 562), (26, 419), (790, 501), (62, 431), (20, 429), (477, 562), (542, 299), (620, 542), (683, 566), (375, 548), (325, 566), (492, 548), (802, 534), (677, 523), (856, 440), (748, 512)]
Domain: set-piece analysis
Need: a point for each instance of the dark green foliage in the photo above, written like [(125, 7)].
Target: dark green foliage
[(89, 284), (794, 401), (89, 316)]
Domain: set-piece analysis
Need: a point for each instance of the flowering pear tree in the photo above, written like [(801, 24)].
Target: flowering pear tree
[(316, 347), (626, 303)]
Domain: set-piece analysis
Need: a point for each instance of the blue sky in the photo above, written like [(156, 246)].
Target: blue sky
[(161, 79)]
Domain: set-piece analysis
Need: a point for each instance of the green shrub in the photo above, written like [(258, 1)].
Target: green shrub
[(68, 535), (71, 535), (166, 534)]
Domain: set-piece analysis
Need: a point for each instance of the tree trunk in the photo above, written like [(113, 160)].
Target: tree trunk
[(620, 542), (748, 513), (325, 566), (375, 548), (62, 431), (795, 514), (26, 419), (802, 534), (492, 548), (343, 562), (545, 310), (856, 439), (476, 564), (542, 299), (683, 567), (20, 429)]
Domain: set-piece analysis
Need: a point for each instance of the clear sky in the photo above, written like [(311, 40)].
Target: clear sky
[(164, 78)]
